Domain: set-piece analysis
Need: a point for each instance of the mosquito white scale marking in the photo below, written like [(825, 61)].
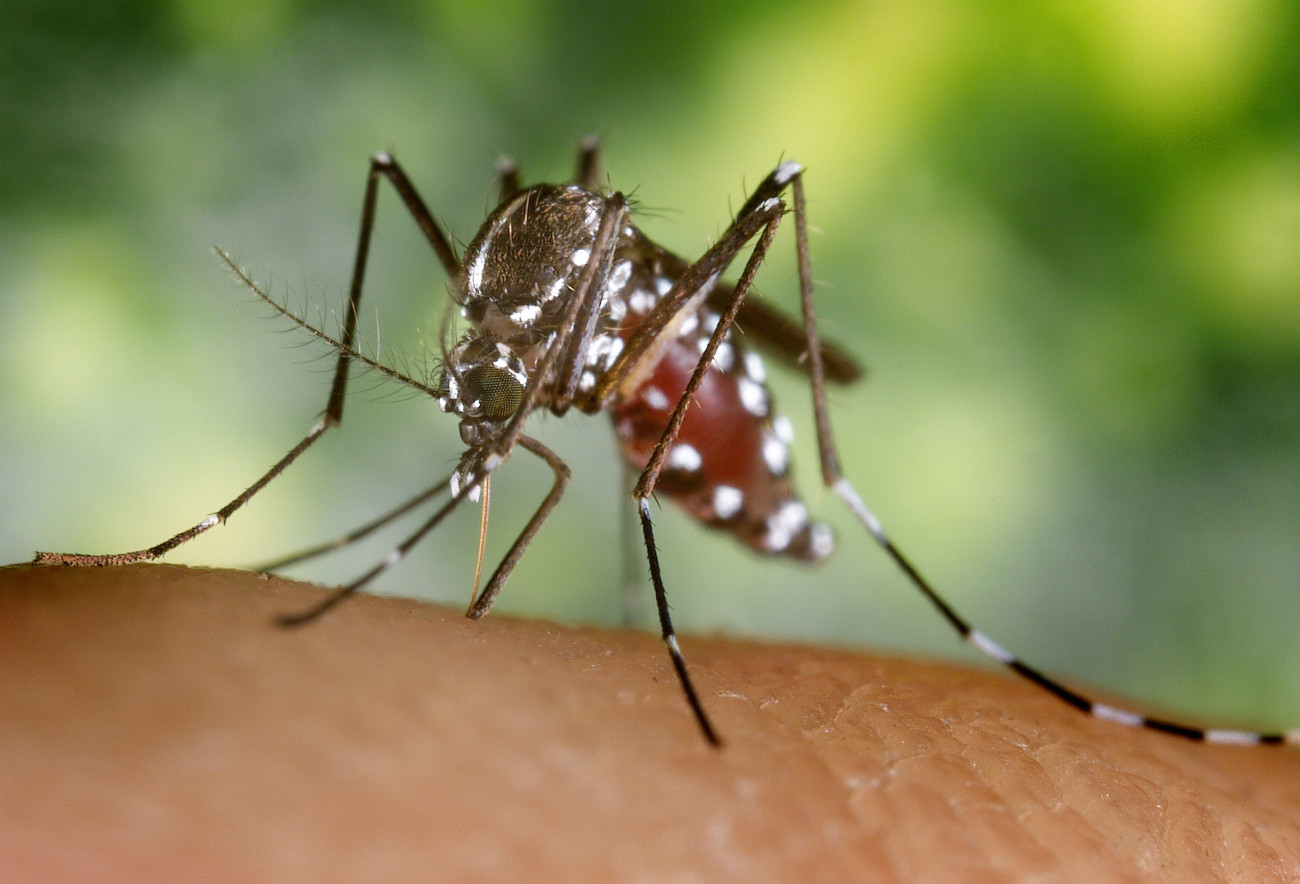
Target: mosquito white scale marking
[(617, 310), (823, 540), (554, 290), (786, 171), (526, 314), (1231, 737), (641, 301), (1119, 716), (776, 455), (655, 397), (754, 397), (989, 647), (782, 526), (782, 428), (684, 457), (615, 350), (850, 497), (727, 501)]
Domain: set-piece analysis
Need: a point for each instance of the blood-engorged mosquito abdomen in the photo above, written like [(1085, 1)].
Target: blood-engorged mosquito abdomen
[(730, 465)]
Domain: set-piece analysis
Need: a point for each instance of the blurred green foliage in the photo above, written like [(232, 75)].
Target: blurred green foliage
[(1063, 236)]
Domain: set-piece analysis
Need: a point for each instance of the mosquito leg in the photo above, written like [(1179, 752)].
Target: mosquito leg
[(507, 178), (633, 601), (153, 552), (586, 310), (769, 215), (384, 164), (666, 627), (589, 170), (692, 287), (829, 456), (834, 478), (396, 555), (356, 534), (645, 485), (481, 605), (761, 217), (996, 652), (381, 165)]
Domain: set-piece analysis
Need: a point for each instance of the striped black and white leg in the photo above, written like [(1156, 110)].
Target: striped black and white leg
[(666, 626), (995, 651), (834, 479)]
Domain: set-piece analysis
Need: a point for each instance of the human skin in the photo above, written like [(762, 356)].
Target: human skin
[(155, 725)]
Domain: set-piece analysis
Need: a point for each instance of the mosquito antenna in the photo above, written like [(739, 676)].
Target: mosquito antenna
[(445, 329), (315, 332)]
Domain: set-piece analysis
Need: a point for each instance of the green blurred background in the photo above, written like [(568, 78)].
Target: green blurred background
[(1063, 235)]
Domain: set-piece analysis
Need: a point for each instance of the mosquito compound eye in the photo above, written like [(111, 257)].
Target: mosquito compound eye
[(498, 391), (483, 379)]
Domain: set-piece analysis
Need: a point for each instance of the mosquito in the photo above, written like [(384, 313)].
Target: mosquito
[(569, 305)]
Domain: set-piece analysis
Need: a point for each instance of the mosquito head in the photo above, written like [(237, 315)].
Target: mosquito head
[(483, 382)]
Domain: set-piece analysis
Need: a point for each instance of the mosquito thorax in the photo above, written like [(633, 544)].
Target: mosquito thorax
[(519, 271)]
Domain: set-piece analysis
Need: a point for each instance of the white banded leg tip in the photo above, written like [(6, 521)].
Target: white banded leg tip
[(786, 171), (1232, 738), (1117, 715)]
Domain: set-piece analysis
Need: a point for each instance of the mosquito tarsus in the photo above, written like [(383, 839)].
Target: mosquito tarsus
[(569, 305)]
